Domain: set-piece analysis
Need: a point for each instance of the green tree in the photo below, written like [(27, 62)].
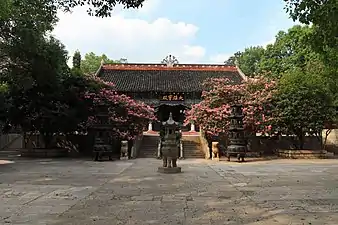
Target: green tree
[(34, 66), (77, 60), (249, 60), (91, 62), (22, 28), (303, 104), (76, 69), (291, 49), (323, 14), (233, 60)]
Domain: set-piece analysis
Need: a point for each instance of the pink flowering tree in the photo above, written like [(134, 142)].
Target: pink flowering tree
[(127, 116), (213, 111), (257, 103)]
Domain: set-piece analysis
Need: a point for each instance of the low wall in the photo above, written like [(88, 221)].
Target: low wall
[(43, 153), (260, 145), (302, 154), (204, 144), (269, 145), (332, 141), (76, 144)]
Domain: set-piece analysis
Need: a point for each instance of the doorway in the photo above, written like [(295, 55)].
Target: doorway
[(163, 111)]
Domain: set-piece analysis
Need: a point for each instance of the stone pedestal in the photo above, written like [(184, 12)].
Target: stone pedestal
[(169, 169)]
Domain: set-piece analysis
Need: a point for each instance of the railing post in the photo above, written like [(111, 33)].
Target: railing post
[(181, 151), (159, 149)]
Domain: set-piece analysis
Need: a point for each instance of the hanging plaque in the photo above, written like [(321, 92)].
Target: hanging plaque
[(172, 97)]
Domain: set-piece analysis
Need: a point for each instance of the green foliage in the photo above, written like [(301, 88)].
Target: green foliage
[(249, 60), (91, 62), (3, 88), (303, 104), (35, 102), (101, 8), (77, 60), (76, 69), (34, 66), (323, 14), (291, 49), (26, 15)]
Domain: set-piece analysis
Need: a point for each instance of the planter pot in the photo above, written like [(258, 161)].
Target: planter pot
[(302, 154), (43, 153)]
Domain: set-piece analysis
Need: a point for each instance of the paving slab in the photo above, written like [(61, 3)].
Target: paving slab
[(65, 191)]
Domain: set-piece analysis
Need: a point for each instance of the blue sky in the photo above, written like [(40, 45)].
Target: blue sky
[(195, 30)]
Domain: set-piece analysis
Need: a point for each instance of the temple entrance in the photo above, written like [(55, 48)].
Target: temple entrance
[(163, 111)]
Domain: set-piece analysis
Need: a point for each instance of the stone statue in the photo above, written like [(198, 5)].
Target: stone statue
[(124, 150), (215, 151), (170, 150)]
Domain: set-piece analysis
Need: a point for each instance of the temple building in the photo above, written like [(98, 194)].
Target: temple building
[(167, 86)]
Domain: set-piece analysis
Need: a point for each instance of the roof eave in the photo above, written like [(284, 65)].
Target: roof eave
[(240, 72), (99, 69)]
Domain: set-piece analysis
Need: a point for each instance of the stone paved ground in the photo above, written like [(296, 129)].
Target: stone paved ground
[(61, 192)]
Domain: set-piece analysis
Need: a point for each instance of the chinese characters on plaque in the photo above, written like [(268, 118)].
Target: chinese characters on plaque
[(172, 97)]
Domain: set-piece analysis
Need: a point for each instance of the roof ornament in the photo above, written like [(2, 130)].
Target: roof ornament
[(170, 60), (123, 60)]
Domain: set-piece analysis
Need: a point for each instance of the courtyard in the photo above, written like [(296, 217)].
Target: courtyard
[(77, 191)]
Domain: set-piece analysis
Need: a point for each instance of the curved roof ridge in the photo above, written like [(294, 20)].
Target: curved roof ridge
[(159, 66)]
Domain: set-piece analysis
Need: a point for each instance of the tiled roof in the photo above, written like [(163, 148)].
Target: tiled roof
[(159, 77)]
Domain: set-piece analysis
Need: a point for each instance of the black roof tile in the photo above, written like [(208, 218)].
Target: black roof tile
[(142, 80)]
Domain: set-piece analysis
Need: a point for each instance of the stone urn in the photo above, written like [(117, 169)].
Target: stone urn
[(170, 151)]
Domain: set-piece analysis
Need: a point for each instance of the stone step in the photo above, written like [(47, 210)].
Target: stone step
[(191, 147)]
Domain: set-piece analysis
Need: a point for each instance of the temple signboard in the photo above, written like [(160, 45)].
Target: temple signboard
[(172, 97)]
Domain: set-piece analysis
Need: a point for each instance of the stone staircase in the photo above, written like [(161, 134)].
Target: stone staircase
[(192, 147), (149, 146)]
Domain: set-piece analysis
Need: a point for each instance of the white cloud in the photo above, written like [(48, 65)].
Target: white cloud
[(132, 38)]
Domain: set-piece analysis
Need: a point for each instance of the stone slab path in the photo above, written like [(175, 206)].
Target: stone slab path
[(62, 192)]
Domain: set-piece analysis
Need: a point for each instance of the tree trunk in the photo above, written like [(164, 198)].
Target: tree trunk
[(327, 133)]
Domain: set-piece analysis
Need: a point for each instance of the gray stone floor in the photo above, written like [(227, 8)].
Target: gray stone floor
[(61, 192)]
